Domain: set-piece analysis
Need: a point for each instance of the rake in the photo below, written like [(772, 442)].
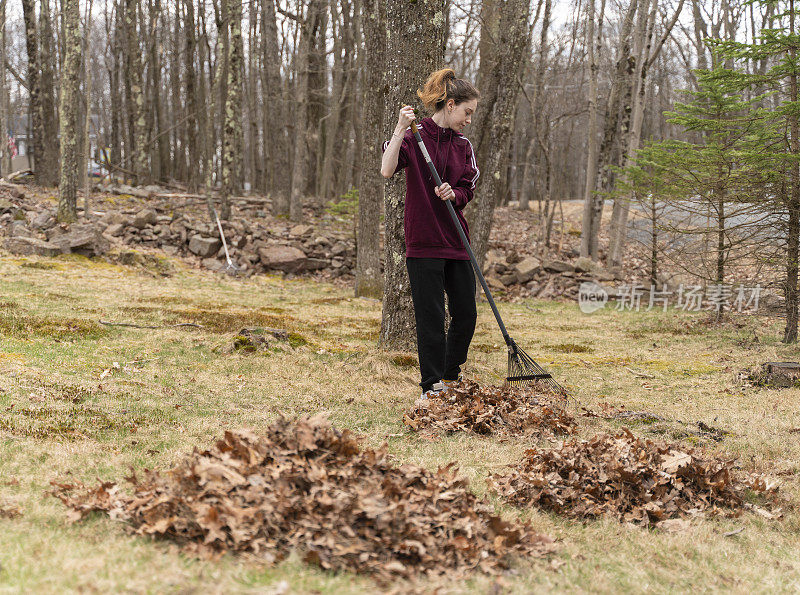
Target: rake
[(231, 268), (523, 371)]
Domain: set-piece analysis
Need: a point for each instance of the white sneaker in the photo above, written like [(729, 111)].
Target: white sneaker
[(435, 389)]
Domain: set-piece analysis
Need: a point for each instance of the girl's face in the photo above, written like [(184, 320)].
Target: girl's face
[(459, 115)]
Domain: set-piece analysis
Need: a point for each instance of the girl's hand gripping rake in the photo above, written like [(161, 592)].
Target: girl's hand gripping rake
[(522, 370)]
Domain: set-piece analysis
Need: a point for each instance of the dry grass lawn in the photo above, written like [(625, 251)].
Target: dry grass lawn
[(82, 399)]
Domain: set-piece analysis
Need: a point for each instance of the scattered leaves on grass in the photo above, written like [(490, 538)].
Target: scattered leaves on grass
[(9, 510), (658, 424), (633, 480), (307, 486), (491, 410)]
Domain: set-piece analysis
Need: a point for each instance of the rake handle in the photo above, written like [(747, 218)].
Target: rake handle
[(463, 237)]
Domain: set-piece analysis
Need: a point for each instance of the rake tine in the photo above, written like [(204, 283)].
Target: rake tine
[(524, 371)]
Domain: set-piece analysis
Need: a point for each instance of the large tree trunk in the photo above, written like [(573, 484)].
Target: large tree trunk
[(231, 139), (511, 54), (160, 150), (638, 87), (343, 154), (5, 153), (646, 56), (370, 186), (604, 180), (358, 98), (251, 145), (34, 93), (190, 127), (594, 49), (136, 105), (535, 104), (415, 48), (488, 48), (338, 94), (300, 169), (276, 146), (70, 96), (117, 126), (49, 161), (87, 121), (793, 230), (317, 93)]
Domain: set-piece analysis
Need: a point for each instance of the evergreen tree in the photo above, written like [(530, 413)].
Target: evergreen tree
[(778, 46), (711, 190)]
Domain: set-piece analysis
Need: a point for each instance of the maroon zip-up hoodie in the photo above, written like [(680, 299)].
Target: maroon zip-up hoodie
[(430, 231)]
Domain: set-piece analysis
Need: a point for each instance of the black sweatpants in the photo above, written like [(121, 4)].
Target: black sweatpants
[(440, 356)]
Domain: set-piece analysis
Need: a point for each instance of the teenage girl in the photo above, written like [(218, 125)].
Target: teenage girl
[(436, 260)]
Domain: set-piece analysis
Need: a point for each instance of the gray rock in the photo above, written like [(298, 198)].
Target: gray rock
[(315, 264), (87, 242), (204, 247), (507, 280), (339, 249), (124, 189), (19, 230), (143, 218), (527, 268), (494, 283), (283, 258), (115, 229), (301, 230), (586, 265), (604, 276), (43, 220), (212, 264), (557, 266), (115, 217), (31, 246)]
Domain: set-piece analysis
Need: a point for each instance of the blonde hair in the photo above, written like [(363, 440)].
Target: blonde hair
[(441, 86)]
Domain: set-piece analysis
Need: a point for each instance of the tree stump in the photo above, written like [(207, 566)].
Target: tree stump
[(780, 374)]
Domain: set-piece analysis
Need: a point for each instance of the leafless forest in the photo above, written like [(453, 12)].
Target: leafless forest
[(291, 99)]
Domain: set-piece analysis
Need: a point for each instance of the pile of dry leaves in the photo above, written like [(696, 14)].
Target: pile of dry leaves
[(308, 487), (638, 481), (492, 410)]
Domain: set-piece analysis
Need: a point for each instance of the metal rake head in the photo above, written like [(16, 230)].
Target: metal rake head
[(524, 372)]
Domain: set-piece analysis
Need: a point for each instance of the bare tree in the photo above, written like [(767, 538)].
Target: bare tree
[(70, 97), (414, 48), (275, 137), (511, 52), (604, 164), (5, 154), (370, 186), (136, 118), (231, 138), (646, 55)]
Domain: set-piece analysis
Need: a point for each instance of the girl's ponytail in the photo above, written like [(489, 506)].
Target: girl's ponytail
[(443, 85)]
